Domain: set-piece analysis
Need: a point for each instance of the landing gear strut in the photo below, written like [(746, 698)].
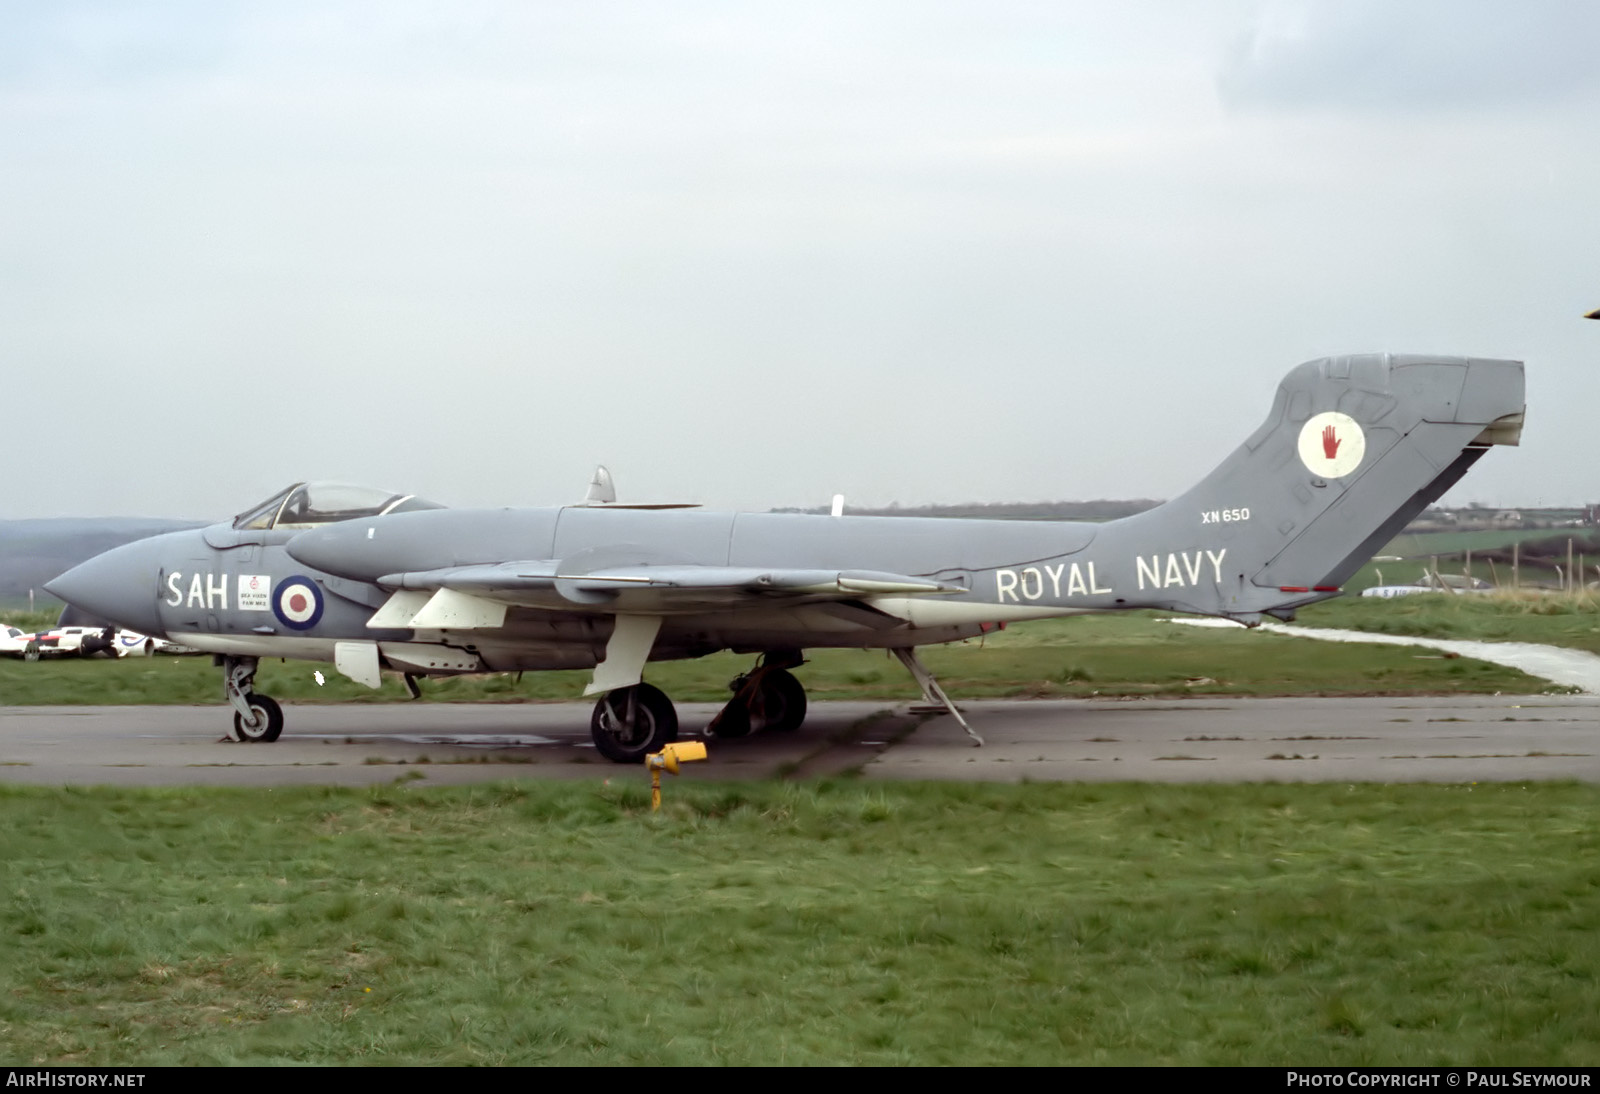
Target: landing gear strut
[(255, 717), (630, 723), (932, 694), (767, 697)]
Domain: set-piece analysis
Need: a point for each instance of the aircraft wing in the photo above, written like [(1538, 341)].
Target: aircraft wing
[(477, 596)]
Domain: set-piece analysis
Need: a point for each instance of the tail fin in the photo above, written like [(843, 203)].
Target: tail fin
[(1354, 449)]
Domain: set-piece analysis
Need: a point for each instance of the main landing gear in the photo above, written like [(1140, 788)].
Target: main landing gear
[(629, 723), (767, 697), (255, 717)]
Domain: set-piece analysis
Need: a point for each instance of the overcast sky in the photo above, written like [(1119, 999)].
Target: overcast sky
[(754, 254)]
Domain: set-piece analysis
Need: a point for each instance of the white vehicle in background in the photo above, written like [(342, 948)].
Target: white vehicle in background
[(133, 644), (61, 641), (82, 642), (1432, 583), (85, 642), (13, 641)]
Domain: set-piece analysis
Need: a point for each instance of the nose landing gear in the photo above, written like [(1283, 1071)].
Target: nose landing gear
[(256, 718)]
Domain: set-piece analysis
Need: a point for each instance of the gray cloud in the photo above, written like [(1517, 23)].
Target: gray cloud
[(108, 43), (1414, 54), (745, 254)]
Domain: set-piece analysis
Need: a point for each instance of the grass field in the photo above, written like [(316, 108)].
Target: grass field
[(557, 922), (37, 620), (1124, 654), (1548, 618), (1421, 545), (44, 604)]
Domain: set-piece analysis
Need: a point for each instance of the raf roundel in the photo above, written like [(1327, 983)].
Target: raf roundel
[(1332, 445), (297, 602)]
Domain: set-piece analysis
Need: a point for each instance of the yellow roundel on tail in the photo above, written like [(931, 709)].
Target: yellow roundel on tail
[(1332, 444)]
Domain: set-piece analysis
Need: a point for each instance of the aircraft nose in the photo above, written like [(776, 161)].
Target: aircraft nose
[(121, 585)]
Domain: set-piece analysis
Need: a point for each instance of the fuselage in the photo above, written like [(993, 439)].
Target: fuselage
[(227, 590)]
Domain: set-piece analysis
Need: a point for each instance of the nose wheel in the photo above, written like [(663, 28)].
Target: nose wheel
[(630, 723), (256, 718), (265, 722)]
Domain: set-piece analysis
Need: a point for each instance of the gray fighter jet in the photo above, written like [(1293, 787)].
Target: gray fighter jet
[(1353, 448)]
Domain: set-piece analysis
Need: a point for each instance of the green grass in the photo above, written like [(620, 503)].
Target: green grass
[(557, 922), (1123, 654), (1417, 552), (1547, 618), (1423, 544), (39, 620)]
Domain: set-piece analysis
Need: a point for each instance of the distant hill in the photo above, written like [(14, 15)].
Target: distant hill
[(34, 551)]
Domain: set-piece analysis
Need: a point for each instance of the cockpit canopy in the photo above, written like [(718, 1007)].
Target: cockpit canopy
[(308, 504)]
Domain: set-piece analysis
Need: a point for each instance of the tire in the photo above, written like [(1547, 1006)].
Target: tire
[(781, 702), (785, 701), (268, 724), (656, 724), (30, 652), (733, 721)]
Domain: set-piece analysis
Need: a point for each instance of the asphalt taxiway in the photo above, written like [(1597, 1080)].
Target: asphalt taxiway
[(1456, 739)]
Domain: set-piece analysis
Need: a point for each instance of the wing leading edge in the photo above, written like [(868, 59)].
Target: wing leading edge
[(467, 597)]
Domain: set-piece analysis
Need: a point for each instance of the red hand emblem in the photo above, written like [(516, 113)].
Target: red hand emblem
[(1330, 443)]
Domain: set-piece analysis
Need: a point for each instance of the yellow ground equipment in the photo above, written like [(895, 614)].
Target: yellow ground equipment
[(668, 759)]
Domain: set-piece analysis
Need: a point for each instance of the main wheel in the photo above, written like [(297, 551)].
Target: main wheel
[(630, 723), (30, 652), (779, 703), (733, 720), (783, 701), (266, 720)]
